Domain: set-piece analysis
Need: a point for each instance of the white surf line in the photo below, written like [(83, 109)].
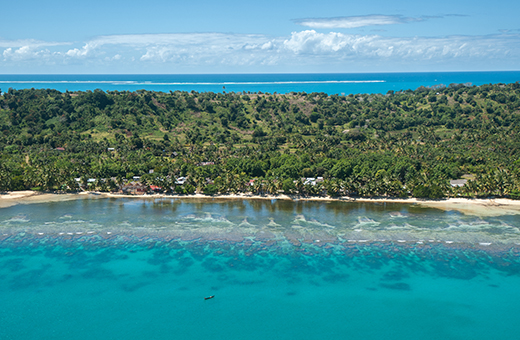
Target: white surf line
[(265, 82), (122, 82)]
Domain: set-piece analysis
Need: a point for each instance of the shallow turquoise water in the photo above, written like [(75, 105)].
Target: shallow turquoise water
[(135, 269), (331, 83)]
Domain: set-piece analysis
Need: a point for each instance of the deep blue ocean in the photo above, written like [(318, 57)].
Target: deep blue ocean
[(98, 268), (340, 83)]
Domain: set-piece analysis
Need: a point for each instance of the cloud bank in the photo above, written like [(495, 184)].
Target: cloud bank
[(253, 51), (356, 21)]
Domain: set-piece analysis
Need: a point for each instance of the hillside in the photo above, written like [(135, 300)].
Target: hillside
[(398, 144)]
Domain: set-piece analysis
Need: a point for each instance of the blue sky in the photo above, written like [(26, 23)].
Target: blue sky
[(267, 36)]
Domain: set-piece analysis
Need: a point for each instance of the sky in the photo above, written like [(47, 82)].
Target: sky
[(229, 36)]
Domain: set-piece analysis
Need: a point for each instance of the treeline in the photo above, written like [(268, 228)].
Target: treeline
[(408, 143)]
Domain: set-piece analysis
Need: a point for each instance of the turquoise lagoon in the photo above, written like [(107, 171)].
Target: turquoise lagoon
[(330, 83), (102, 268)]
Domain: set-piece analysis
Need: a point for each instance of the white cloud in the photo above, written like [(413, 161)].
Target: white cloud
[(113, 58), (79, 52), (188, 47), (356, 21), (25, 53), (216, 50), (509, 30), (28, 50), (29, 42), (347, 46), (177, 39), (311, 42), (7, 52)]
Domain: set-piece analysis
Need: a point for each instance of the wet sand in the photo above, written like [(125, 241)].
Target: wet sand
[(474, 207)]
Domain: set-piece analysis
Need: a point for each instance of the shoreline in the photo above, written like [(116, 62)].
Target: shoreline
[(467, 206)]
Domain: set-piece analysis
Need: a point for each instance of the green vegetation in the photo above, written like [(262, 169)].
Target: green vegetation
[(402, 144)]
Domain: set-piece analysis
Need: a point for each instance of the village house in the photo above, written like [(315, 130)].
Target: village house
[(134, 188), (312, 180), (458, 182), (156, 189), (181, 180)]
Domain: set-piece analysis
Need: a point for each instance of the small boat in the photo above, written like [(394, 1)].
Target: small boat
[(209, 297)]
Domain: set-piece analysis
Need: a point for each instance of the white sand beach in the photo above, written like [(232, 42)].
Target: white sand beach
[(475, 207)]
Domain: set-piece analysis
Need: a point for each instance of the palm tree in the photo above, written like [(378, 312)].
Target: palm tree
[(300, 188), (5, 178), (270, 186), (220, 183), (30, 176)]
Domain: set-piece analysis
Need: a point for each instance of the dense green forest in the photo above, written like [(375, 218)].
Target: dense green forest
[(407, 143)]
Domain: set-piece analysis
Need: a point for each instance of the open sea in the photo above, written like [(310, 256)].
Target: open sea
[(134, 268), (330, 83)]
